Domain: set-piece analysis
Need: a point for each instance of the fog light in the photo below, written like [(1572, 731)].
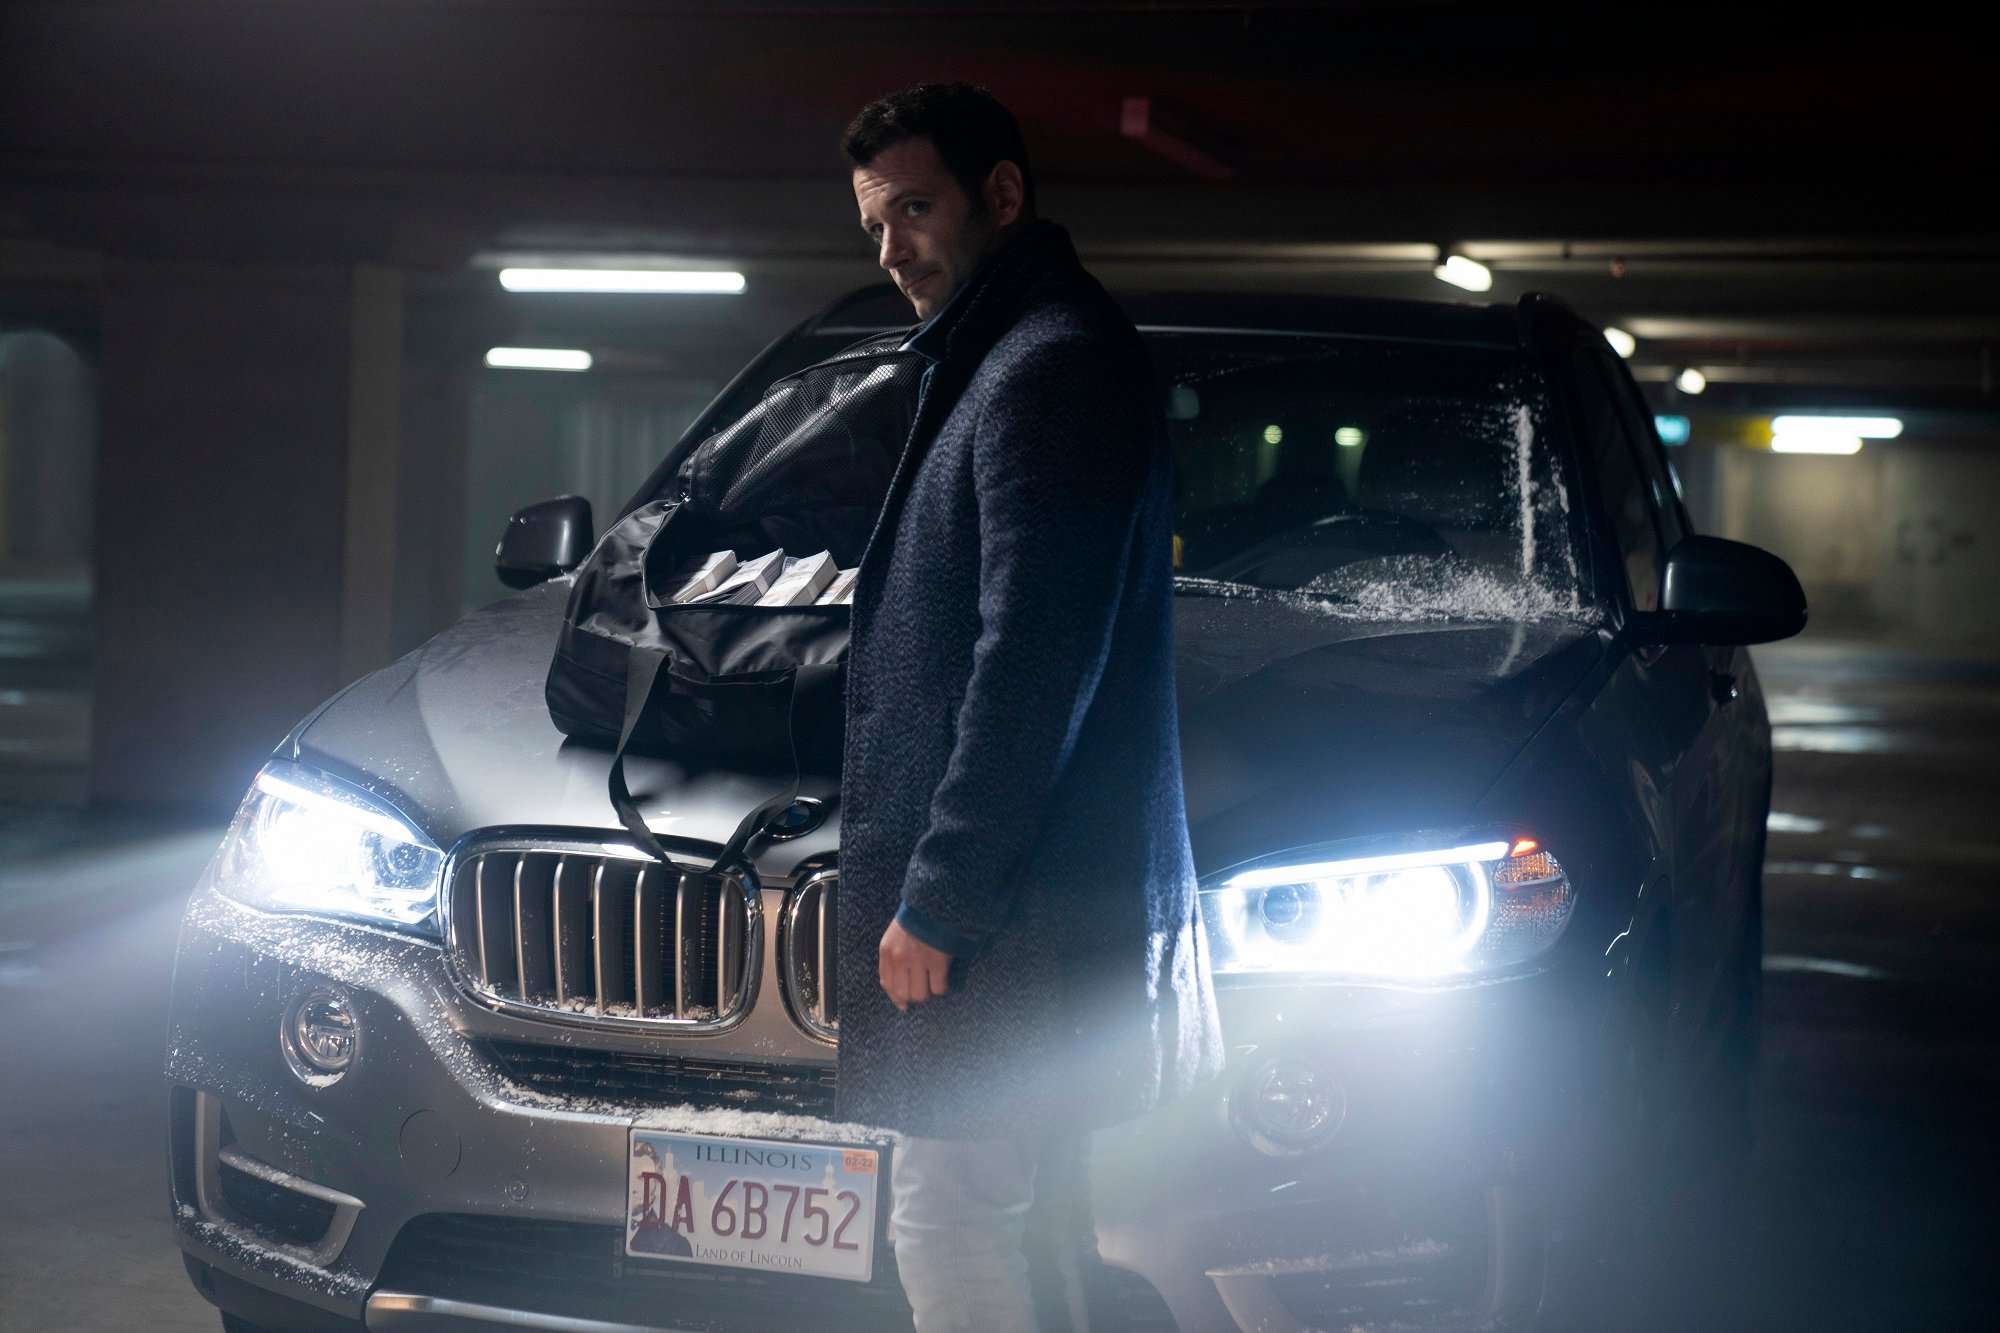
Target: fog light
[(319, 1035), (1286, 1107)]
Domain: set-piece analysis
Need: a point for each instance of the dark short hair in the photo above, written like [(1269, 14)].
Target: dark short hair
[(971, 129)]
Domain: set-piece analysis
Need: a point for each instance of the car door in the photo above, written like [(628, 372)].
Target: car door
[(1680, 736), (1721, 787)]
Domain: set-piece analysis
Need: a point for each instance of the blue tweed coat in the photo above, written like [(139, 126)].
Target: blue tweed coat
[(1012, 766)]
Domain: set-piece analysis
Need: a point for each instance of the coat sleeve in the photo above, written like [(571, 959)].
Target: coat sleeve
[(1061, 454)]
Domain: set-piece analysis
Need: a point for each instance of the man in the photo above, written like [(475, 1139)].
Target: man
[(1022, 958)]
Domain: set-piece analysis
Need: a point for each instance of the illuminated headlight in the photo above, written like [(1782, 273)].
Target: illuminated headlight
[(304, 842), (1452, 911)]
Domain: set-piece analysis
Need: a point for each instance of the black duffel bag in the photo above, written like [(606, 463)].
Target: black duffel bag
[(745, 687)]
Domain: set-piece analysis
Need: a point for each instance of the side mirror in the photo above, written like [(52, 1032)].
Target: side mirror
[(1722, 592), (544, 540)]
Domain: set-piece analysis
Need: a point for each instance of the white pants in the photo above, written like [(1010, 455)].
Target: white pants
[(961, 1208)]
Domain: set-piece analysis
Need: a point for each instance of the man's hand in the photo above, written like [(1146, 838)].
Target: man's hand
[(911, 970)]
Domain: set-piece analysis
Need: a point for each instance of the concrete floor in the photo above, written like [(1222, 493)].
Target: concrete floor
[(87, 922), (1874, 1201)]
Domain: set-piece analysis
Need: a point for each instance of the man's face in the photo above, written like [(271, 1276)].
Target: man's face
[(928, 234)]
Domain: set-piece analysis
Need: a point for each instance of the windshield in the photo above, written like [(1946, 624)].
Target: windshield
[(1393, 481), (1355, 477)]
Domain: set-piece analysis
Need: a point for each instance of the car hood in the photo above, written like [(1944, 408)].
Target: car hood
[(1297, 725), (1301, 723)]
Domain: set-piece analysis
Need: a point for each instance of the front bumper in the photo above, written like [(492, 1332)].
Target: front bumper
[(453, 1197)]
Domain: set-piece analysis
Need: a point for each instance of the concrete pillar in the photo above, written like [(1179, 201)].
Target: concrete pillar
[(48, 446), (441, 356), (248, 514)]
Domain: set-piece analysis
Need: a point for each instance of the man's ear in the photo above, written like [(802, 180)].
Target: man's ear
[(1006, 194)]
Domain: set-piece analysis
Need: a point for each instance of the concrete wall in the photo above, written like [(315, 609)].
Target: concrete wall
[(1821, 514), (1937, 561), (1897, 539)]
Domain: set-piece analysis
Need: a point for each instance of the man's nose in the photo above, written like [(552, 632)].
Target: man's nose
[(894, 253)]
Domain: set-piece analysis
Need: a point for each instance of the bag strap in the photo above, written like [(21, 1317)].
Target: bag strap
[(811, 683), (642, 675)]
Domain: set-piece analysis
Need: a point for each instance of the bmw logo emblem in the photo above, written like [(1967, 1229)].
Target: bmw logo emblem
[(800, 817)]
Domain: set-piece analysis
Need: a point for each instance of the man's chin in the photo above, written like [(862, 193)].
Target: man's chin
[(924, 295)]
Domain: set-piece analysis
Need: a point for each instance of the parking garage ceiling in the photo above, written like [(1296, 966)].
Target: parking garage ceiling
[(1787, 202)]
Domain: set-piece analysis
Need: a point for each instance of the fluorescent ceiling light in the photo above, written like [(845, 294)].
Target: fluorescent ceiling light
[(1815, 443), (1621, 342), (1350, 437), (619, 280), (1691, 381), (1467, 273), (537, 358), (1866, 428)]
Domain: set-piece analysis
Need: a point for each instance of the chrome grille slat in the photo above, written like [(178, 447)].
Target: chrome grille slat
[(608, 924), (649, 959), (822, 1001), (496, 952), (809, 954), (479, 918), (534, 933), (682, 939), (572, 924), (594, 933), (724, 949)]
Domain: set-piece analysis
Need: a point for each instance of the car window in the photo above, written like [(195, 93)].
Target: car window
[(1638, 430), (1403, 480), (1621, 484)]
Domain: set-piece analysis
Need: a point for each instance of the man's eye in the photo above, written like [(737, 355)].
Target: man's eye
[(917, 207)]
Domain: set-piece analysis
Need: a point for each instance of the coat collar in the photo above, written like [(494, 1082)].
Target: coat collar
[(963, 332)]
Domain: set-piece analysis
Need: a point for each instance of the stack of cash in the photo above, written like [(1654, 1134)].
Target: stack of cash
[(775, 579), (840, 592), (751, 580), (706, 575), (802, 581)]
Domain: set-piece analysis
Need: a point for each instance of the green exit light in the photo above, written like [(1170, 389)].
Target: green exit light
[(1673, 430)]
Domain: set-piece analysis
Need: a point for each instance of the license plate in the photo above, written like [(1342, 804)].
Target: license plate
[(802, 1208)]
